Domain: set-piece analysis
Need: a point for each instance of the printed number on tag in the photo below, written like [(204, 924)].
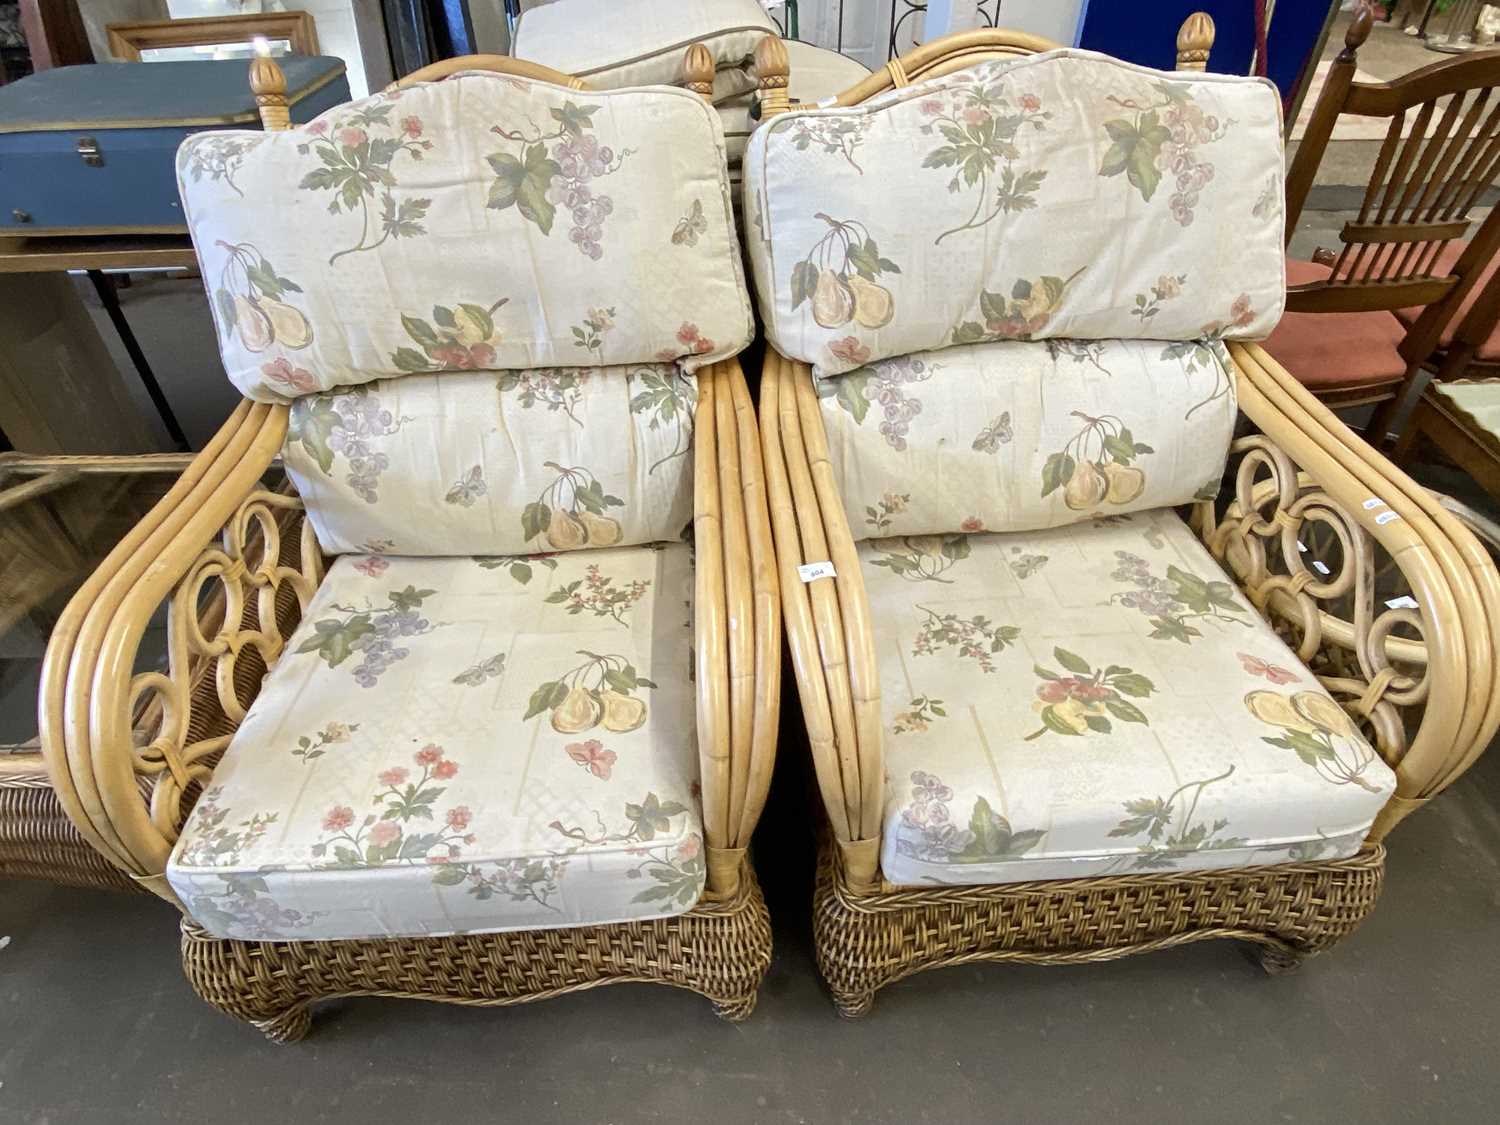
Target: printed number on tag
[(811, 572)]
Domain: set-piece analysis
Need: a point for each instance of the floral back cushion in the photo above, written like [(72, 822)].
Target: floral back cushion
[(500, 464), (485, 221), (1064, 194), (1018, 436)]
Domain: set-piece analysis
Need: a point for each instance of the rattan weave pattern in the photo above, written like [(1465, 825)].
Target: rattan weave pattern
[(38, 841), (869, 939), (718, 949)]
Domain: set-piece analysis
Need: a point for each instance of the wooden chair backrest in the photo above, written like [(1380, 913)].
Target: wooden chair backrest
[(949, 53), (1420, 193)]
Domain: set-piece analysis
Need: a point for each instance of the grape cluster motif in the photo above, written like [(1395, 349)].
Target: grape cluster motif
[(361, 419)]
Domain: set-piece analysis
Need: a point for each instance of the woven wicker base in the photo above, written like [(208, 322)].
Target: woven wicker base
[(38, 841), (867, 939), (719, 949)]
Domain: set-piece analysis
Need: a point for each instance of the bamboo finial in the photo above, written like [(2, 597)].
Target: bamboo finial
[(771, 69), (268, 84), (698, 70), (1195, 39)]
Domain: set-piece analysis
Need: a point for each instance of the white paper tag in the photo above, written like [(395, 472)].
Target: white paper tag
[(1387, 517), (824, 103), (1301, 546), (1405, 601), (811, 572), (1374, 502), (1320, 568)]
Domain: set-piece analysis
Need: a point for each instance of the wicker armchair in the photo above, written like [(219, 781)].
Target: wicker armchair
[(403, 893), (977, 769)]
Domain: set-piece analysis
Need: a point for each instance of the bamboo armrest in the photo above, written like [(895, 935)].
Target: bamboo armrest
[(90, 698), (827, 620), (1316, 463), (737, 621)]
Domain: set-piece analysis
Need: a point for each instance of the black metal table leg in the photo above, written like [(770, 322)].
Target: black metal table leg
[(111, 302)]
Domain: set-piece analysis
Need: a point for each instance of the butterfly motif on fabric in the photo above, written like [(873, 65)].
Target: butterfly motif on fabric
[(690, 226), (1273, 672), (996, 434), (484, 670), (592, 756), (470, 487)]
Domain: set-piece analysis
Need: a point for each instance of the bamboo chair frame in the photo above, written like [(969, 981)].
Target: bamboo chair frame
[(1422, 684), (219, 528), (1418, 199)]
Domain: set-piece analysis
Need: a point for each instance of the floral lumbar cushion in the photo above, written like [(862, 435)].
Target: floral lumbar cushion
[(1030, 198), (498, 462), (1018, 435), (461, 745), (614, 43), (1098, 700), (479, 222)]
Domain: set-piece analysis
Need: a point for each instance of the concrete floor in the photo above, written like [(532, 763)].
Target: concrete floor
[(1398, 1024)]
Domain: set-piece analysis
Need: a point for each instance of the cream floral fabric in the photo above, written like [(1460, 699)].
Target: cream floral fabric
[(1064, 194), (1018, 435), (480, 222), (614, 43), (1098, 700), (498, 462), (459, 746)]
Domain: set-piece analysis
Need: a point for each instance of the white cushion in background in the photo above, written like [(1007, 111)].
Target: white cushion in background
[(1165, 689), (909, 252), (615, 43), (398, 788), (1018, 435), (313, 289), (498, 462), (814, 73)]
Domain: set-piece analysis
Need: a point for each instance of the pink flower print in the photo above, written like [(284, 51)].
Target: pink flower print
[(374, 566), (931, 107), (691, 339), (412, 126), (1030, 103), (383, 832), (318, 128), (976, 115), (282, 371), (464, 358), (352, 136), (458, 817), (338, 819), (444, 770), (689, 849), (394, 776), (592, 756), (971, 525), (1167, 286), (850, 350), (429, 755), (1240, 313)]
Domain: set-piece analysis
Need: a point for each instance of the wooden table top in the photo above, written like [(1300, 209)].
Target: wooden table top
[(96, 252)]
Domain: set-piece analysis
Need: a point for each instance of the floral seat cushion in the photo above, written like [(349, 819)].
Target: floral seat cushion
[(1016, 435), (462, 745), (499, 462), (1095, 700)]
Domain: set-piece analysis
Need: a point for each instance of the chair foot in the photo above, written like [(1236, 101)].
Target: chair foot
[(736, 1010), (288, 1026), (854, 1005), (1278, 961)]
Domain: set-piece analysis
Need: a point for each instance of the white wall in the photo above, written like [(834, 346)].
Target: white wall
[(867, 23)]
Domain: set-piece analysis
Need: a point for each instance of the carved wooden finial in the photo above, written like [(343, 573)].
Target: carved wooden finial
[(1195, 39), (698, 70), (1357, 32), (268, 84), (771, 69)]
